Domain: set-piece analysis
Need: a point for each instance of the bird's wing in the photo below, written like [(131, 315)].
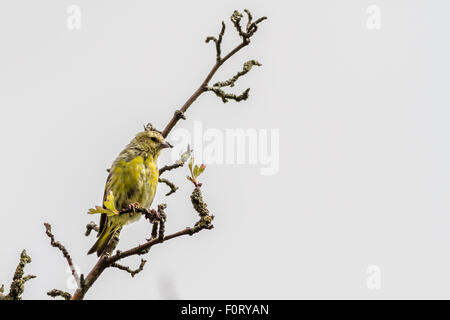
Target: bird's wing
[(126, 154), (103, 216)]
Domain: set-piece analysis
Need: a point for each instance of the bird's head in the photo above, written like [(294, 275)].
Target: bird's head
[(151, 141)]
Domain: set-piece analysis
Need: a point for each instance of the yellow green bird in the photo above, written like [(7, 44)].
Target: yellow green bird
[(133, 178)]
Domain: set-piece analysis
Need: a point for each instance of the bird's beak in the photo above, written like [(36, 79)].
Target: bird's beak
[(165, 144)]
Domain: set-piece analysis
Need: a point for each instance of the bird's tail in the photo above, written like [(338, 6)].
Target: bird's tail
[(103, 239)]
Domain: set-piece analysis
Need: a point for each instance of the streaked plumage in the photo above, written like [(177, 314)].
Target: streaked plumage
[(133, 178)]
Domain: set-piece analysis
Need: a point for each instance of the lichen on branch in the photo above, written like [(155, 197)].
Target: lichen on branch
[(246, 35), (229, 96), (200, 206), (245, 69), (18, 282), (59, 293), (218, 42)]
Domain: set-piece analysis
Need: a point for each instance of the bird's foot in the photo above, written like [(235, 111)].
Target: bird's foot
[(132, 206)]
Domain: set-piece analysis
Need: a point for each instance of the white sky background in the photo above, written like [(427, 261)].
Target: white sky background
[(364, 145)]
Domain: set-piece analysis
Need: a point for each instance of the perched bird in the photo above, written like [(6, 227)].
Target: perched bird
[(132, 179)]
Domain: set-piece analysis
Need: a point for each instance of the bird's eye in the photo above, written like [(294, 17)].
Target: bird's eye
[(154, 139)]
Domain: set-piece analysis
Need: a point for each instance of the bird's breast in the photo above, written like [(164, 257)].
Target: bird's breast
[(134, 181)]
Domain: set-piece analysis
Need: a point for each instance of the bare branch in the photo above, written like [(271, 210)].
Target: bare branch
[(162, 220), (179, 163), (154, 231), (245, 69), (89, 227), (218, 42), (250, 18), (57, 244), (251, 28), (200, 206), (18, 284), (170, 184), (59, 293), (158, 218), (254, 27), (229, 96), (236, 20), (127, 269), (170, 167)]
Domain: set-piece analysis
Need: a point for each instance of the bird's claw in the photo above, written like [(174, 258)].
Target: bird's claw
[(132, 206)]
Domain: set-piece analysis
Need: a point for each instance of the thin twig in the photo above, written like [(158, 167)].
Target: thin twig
[(229, 96), (236, 20), (170, 167), (89, 227), (59, 293), (57, 244), (162, 220), (127, 269), (250, 18), (218, 42), (245, 69), (154, 231), (179, 163), (170, 184)]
